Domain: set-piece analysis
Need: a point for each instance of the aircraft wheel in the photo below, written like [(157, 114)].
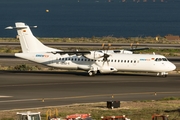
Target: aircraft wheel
[(158, 74), (164, 75), (91, 73)]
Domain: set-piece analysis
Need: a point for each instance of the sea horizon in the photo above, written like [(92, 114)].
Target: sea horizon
[(88, 18)]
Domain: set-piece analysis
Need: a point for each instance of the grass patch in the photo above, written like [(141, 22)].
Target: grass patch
[(25, 67), (21, 67), (104, 39), (171, 98), (133, 110), (9, 49), (165, 52)]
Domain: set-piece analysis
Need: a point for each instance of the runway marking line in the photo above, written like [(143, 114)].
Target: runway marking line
[(1, 96), (74, 97)]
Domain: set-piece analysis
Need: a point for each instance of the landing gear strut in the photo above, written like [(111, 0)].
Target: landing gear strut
[(163, 74), (92, 73)]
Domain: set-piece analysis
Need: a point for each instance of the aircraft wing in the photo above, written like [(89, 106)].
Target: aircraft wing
[(71, 52), (137, 49), (87, 54)]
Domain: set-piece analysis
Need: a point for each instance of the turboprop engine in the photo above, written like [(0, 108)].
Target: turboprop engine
[(96, 55), (107, 69), (99, 54)]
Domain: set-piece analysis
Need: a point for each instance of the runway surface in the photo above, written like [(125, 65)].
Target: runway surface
[(41, 89)]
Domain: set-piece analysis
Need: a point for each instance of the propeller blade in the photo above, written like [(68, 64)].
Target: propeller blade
[(131, 45), (137, 44), (107, 61), (103, 46)]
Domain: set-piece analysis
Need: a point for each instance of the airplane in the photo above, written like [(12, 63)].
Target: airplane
[(96, 61)]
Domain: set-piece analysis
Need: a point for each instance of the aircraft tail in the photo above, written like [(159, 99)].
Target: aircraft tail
[(29, 43)]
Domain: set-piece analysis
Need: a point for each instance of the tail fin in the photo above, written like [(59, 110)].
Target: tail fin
[(29, 43)]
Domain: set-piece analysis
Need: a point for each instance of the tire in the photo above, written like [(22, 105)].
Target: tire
[(91, 73)]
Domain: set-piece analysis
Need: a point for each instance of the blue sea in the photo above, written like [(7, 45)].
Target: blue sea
[(88, 18)]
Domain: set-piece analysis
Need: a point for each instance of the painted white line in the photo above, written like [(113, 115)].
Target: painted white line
[(5, 96)]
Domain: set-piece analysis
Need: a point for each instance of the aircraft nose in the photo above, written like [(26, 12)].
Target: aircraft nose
[(172, 67)]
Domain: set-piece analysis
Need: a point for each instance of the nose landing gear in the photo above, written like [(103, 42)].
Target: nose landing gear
[(163, 74)]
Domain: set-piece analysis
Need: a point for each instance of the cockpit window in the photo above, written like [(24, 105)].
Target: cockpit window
[(164, 59), (161, 59)]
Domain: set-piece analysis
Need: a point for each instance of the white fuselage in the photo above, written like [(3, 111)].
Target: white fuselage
[(120, 62)]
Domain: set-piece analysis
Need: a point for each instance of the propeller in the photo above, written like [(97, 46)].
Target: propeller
[(105, 55), (132, 46)]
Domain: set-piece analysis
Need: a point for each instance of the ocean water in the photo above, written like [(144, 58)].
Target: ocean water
[(87, 18)]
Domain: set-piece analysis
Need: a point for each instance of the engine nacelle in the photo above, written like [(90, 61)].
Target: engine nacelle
[(94, 55), (126, 52), (107, 69)]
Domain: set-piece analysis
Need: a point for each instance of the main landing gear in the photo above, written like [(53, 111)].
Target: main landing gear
[(92, 73), (163, 74)]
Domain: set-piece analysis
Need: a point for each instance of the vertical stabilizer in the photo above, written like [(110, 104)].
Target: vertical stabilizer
[(29, 43)]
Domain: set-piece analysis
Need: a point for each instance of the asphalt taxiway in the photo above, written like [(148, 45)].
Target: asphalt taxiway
[(20, 90)]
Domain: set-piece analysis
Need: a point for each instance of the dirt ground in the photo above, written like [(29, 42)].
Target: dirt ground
[(143, 107)]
